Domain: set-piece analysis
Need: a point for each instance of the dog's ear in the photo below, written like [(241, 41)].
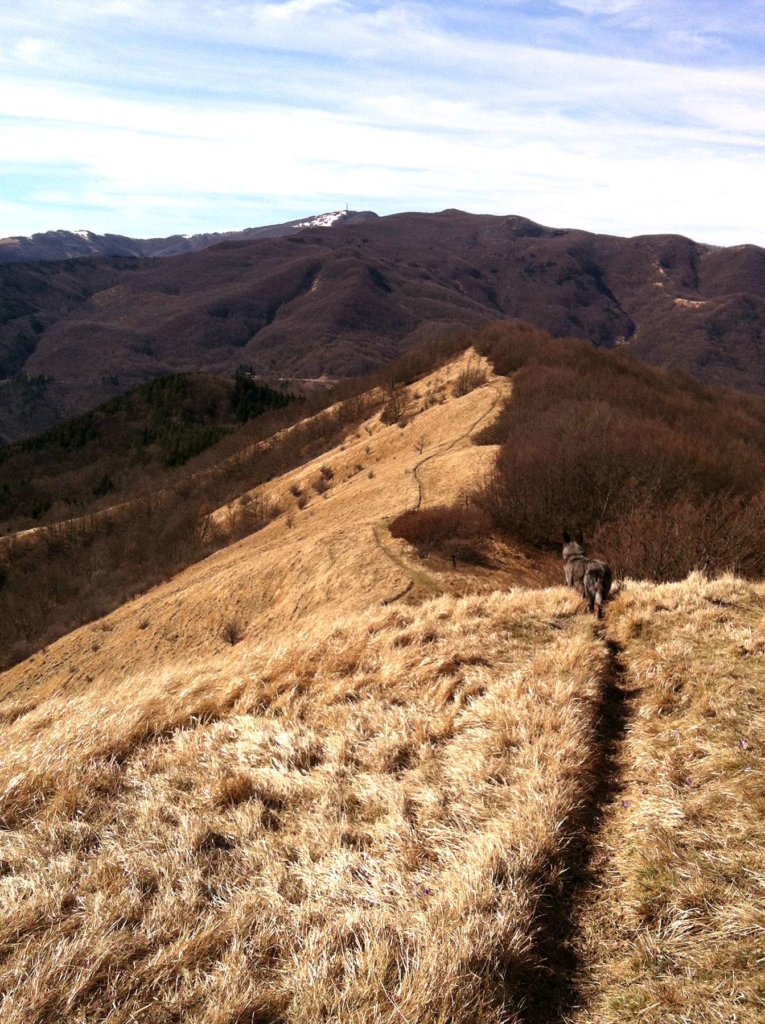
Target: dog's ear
[(579, 537), (566, 537)]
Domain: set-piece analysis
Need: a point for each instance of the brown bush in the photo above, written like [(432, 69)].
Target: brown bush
[(662, 473), (446, 529), (394, 409)]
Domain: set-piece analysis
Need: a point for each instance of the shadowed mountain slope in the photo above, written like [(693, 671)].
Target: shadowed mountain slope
[(342, 300), (126, 446)]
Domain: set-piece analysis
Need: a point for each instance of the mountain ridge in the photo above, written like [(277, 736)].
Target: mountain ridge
[(62, 244), (340, 301)]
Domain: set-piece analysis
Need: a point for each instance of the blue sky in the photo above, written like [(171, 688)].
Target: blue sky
[(149, 117)]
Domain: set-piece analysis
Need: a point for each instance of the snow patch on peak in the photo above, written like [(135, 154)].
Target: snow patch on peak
[(83, 234), (324, 220)]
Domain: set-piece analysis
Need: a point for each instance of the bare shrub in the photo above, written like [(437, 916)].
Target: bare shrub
[(446, 529), (233, 631), (395, 407), (320, 484), (471, 377), (296, 490), (302, 501), (327, 472)]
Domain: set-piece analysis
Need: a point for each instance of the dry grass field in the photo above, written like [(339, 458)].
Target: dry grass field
[(317, 778), (326, 555), (676, 928), (354, 828)]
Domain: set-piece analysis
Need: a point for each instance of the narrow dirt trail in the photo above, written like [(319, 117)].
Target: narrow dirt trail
[(559, 992), (443, 449), (426, 584)]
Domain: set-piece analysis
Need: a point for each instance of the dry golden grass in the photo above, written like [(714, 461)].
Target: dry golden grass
[(335, 559), (353, 827), (677, 931)]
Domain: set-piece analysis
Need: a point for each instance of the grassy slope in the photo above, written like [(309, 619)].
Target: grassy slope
[(335, 559), (677, 931), (351, 827), (365, 814)]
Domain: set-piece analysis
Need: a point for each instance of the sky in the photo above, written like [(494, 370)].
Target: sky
[(155, 117)]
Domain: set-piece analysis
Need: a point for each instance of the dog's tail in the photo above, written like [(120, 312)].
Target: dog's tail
[(599, 597)]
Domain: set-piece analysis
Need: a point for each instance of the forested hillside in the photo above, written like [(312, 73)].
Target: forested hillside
[(341, 301)]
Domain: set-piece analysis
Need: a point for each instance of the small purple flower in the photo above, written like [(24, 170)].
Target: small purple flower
[(743, 744), (624, 803), (426, 892)]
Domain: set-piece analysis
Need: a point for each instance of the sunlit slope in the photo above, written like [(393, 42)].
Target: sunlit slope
[(676, 929), (351, 828), (330, 558)]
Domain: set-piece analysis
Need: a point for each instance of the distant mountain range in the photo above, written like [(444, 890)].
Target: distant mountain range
[(340, 300), (65, 245)]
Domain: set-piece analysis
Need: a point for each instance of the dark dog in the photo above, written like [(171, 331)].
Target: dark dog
[(591, 577)]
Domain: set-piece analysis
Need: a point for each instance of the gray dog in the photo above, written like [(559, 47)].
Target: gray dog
[(591, 577)]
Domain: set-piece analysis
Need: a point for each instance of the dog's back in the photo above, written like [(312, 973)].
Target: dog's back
[(597, 585), (590, 576)]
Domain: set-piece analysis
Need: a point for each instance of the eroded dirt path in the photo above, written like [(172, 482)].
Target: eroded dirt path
[(558, 992)]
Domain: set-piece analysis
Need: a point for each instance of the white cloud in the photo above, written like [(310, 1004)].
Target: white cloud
[(227, 107), (30, 49), (393, 151), (291, 8), (600, 6)]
